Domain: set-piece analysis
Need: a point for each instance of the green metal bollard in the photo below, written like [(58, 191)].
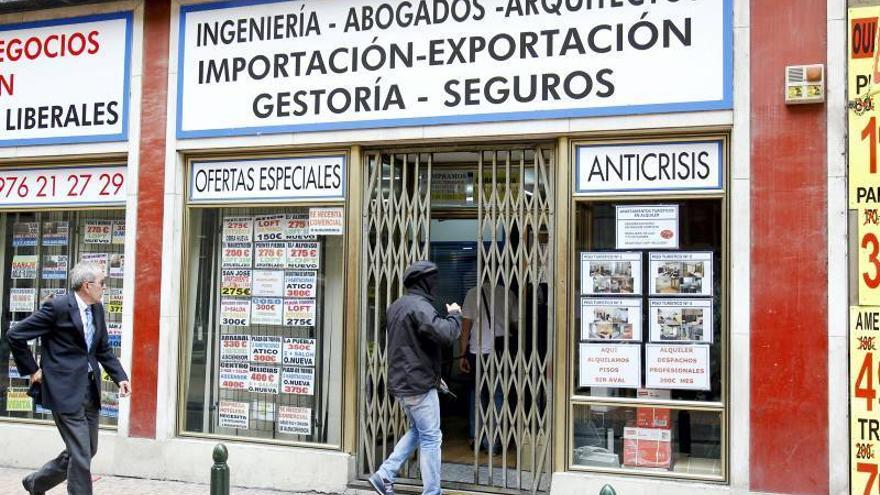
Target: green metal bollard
[(607, 490), (220, 471)]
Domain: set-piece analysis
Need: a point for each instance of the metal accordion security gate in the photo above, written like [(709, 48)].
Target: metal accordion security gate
[(512, 193)]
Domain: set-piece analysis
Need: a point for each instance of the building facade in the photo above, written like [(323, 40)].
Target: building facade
[(658, 242)]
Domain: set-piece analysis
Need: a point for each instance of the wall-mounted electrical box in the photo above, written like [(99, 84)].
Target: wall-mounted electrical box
[(804, 84)]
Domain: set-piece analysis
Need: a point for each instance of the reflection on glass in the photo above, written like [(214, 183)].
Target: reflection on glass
[(651, 439), (264, 327)]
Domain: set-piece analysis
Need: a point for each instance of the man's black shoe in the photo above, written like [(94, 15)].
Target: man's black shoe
[(24, 483)]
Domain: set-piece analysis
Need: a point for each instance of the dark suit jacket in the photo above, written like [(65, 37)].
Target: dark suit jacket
[(65, 361)]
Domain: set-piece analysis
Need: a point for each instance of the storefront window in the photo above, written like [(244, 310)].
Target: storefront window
[(262, 356), (650, 339), (39, 248)]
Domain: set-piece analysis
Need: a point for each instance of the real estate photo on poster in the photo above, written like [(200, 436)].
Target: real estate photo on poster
[(680, 320), (605, 318), (611, 273), (680, 274)]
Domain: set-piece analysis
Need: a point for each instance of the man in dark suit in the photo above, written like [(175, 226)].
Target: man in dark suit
[(73, 334)]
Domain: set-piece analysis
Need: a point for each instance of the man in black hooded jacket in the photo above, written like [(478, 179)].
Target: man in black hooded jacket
[(416, 338)]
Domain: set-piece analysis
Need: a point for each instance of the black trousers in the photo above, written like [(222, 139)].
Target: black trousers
[(79, 431)]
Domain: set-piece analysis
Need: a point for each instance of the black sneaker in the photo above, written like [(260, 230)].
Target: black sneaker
[(381, 485)]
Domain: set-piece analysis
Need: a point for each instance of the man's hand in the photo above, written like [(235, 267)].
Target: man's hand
[(124, 389), (453, 308), (464, 366), (37, 377)]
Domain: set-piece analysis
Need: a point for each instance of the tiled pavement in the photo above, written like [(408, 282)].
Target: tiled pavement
[(10, 484)]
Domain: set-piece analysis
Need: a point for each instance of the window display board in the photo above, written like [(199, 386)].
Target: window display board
[(89, 56), (650, 311), (267, 297), (39, 249)]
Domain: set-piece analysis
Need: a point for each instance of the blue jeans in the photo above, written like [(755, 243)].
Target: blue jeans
[(423, 412), (484, 400)]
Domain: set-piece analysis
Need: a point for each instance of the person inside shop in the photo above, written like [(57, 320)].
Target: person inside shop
[(495, 323), (74, 341), (416, 337)]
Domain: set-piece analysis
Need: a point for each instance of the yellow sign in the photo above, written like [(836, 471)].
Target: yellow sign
[(864, 366), (17, 400), (864, 177), (868, 249)]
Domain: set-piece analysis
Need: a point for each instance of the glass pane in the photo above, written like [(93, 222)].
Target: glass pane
[(38, 251), (652, 324), (650, 439), (262, 356)]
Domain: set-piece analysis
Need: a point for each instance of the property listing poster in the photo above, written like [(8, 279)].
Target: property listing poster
[(680, 273), (56, 233), (235, 282), (266, 311), (264, 379), (299, 312), (98, 232), (54, 267), (100, 259), (234, 376), (235, 348), (24, 267), (646, 226), (22, 300), (238, 230), (295, 420), (677, 367), (605, 273), (611, 318), (304, 255), (610, 365), (298, 228), (270, 255), (117, 235), (681, 320), (298, 380), (237, 255), (266, 349), (235, 312), (270, 228), (301, 284), (234, 415), (299, 352), (25, 234)]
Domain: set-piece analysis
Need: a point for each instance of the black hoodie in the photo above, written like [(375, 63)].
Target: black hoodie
[(417, 334)]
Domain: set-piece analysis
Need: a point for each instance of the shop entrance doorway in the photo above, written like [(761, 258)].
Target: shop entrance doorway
[(485, 217)]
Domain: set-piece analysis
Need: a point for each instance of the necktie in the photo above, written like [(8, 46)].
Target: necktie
[(89, 327)]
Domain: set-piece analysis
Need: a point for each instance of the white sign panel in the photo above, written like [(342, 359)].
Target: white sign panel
[(234, 415), (65, 80), (298, 380), (680, 367), (62, 186), (234, 348), (681, 320), (263, 379), (301, 284), (266, 349), (316, 65), (295, 420), (607, 318), (326, 221), (610, 365), (646, 227), (293, 178), (680, 273), (266, 311), (605, 273), (299, 352), (234, 376), (690, 166)]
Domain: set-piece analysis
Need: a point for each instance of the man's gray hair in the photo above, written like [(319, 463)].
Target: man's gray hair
[(84, 272)]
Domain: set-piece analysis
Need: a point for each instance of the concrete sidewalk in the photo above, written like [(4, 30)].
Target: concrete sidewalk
[(10, 484)]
